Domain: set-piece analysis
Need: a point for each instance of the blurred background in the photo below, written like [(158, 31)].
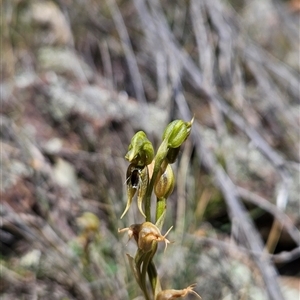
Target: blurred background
[(79, 78)]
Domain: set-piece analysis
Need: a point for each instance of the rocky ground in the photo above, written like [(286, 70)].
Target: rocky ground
[(79, 78)]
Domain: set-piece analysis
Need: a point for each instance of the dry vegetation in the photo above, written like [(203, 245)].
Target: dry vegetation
[(79, 78)]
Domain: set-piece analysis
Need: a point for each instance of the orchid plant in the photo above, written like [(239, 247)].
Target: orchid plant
[(148, 173)]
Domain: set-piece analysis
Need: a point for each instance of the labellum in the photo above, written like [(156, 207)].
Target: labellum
[(137, 179)]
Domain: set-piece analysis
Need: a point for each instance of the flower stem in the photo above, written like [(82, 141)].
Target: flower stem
[(159, 158)]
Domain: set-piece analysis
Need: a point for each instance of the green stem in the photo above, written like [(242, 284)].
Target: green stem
[(154, 280), (159, 158), (145, 267), (140, 259), (161, 206)]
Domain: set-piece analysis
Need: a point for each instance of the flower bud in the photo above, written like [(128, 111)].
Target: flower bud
[(88, 222), (177, 132), (89, 231), (175, 294), (165, 183), (140, 151)]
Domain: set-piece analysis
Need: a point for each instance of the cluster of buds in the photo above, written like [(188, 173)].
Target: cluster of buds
[(149, 173), (140, 154)]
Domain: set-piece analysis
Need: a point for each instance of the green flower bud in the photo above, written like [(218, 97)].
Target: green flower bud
[(140, 151), (165, 184), (177, 132)]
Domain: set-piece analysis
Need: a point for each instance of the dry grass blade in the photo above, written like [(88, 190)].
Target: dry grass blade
[(238, 213), (129, 54)]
